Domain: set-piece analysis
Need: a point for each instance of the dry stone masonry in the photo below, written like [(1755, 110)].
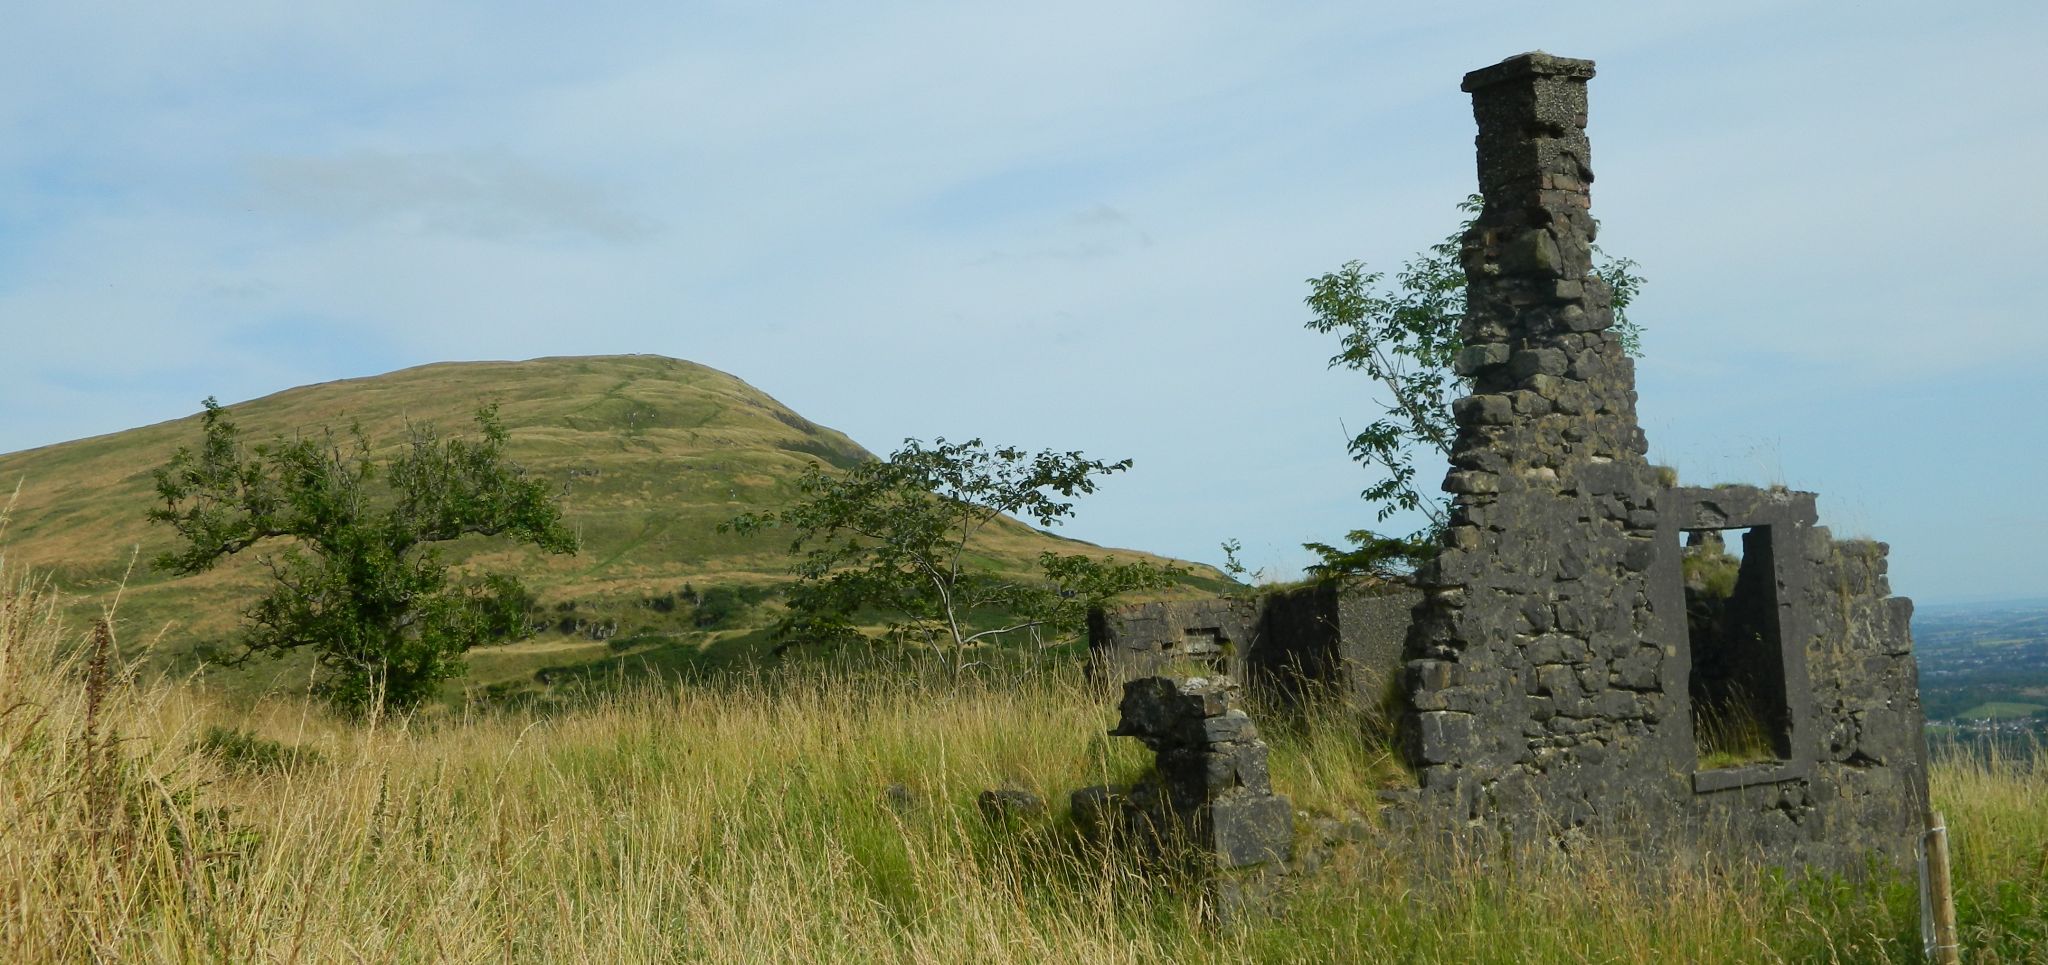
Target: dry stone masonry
[(1595, 652)]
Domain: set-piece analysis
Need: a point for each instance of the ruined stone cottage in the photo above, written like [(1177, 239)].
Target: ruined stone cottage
[(1595, 651)]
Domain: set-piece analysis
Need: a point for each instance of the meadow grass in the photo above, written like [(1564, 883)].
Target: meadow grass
[(821, 814)]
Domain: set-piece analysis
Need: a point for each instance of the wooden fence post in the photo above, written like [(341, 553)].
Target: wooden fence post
[(1943, 947)]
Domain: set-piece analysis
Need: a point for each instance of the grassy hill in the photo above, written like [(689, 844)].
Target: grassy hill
[(652, 453)]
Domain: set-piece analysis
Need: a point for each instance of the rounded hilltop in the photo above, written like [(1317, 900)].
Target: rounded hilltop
[(652, 454)]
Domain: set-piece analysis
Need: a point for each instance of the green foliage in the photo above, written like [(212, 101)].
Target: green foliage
[(1370, 554), (721, 606), (1232, 566), (1711, 570), (1404, 337), (893, 539), (357, 580)]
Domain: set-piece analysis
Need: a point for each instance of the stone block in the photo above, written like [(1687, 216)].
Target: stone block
[(1540, 361), (1639, 556), (1473, 359), (1557, 680), (1555, 648), (1251, 829), (1005, 805), (1577, 318), (1532, 252), (1637, 672), (1248, 765), (1487, 410), (1471, 482), (1433, 675), (1446, 736), (1164, 713), (1233, 725)]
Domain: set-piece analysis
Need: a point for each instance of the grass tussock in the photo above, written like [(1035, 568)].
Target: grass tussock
[(823, 815)]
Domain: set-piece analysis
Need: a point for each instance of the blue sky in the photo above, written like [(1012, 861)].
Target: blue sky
[(1056, 224)]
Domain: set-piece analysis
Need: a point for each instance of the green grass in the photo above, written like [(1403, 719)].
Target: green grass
[(2002, 709)]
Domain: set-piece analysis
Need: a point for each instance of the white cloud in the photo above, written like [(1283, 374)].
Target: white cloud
[(486, 197)]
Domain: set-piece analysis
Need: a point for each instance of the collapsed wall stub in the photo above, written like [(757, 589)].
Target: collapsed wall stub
[(1551, 668), (1208, 802)]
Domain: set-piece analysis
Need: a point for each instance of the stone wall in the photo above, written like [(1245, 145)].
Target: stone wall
[(1331, 637), (1188, 637), (1328, 637)]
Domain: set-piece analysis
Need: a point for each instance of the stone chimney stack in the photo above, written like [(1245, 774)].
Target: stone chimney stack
[(1552, 388), (1538, 599)]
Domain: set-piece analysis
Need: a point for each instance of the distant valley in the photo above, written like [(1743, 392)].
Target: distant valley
[(1984, 667)]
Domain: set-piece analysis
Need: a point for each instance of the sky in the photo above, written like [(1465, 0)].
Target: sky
[(1052, 225)]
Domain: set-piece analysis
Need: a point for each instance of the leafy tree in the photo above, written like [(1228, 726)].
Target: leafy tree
[(356, 578), (1404, 337), (893, 539)]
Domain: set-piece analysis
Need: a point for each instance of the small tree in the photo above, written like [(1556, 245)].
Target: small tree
[(357, 579), (1405, 338), (892, 540)]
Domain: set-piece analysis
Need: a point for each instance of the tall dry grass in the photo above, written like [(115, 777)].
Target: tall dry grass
[(1996, 806), (816, 816)]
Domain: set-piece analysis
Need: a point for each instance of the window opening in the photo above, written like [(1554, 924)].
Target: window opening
[(1739, 707), (1203, 652)]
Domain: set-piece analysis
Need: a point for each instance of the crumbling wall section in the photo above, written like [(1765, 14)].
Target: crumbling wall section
[(1326, 638), (1174, 637), (1871, 742), (1331, 639), (1864, 795)]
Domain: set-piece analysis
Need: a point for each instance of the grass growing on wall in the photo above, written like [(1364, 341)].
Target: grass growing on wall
[(1730, 732), (822, 815)]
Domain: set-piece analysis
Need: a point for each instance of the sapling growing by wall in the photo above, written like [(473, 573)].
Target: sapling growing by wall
[(1404, 335), (891, 542)]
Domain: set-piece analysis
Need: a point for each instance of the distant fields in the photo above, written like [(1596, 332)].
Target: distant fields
[(1984, 662), (2002, 708)]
